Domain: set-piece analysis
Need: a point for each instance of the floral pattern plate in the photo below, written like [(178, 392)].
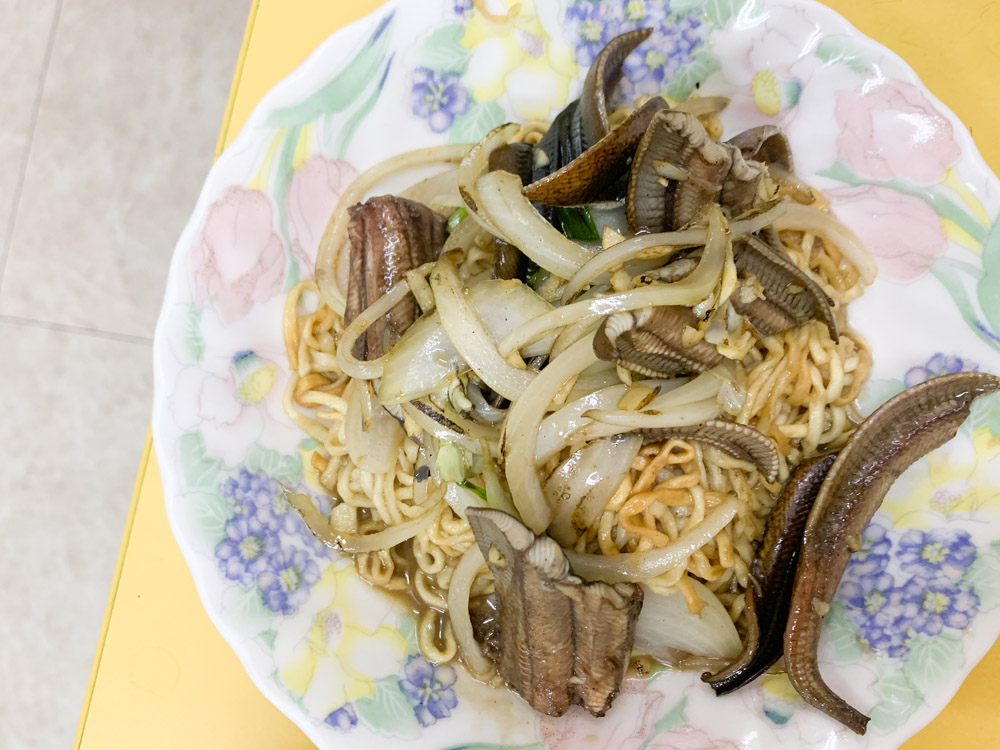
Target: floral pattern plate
[(920, 603)]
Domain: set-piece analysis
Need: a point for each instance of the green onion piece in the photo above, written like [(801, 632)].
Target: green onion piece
[(475, 488), (537, 278), (577, 223), (456, 218), (451, 463)]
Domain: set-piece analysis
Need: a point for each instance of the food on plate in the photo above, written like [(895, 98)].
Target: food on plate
[(902, 430), (579, 396)]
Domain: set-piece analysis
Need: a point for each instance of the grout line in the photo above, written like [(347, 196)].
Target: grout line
[(22, 172), (63, 328)]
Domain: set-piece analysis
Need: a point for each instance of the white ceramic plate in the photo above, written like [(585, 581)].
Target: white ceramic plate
[(919, 605)]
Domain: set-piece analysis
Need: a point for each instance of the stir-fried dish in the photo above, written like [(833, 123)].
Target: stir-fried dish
[(587, 396)]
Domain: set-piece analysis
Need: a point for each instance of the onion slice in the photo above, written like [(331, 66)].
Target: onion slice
[(555, 431), (621, 420), (373, 436), (501, 199), (371, 369), (474, 164), (450, 432), (469, 335), (689, 291), (639, 566), (355, 543), (581, 487), (665, 624), (459, 591), (648, 246), (692, 403), (521, 435)]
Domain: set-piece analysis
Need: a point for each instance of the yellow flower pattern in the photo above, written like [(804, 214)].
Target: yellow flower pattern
[(960, 478), (329, 653), (513, 54)]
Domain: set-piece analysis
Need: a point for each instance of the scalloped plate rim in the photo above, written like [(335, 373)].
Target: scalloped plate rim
[(315, 63)]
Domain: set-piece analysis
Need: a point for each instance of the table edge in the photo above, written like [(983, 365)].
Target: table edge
[(148, 444)]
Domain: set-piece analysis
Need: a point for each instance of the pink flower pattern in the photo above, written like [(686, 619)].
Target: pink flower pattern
[(631, 728), (893, 131), (313, 194), (238, 260), (903, 233)]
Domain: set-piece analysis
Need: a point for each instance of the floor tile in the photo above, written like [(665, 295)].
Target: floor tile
[(75, 411), (24, 33), (126, 130)]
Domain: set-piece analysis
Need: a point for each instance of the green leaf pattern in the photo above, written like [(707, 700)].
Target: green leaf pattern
[(388, 711), (932, 659), (899, 699), (839, 629), (702, 65), (984, 576)]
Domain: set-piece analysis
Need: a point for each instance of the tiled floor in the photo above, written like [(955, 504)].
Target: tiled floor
[(108, 119)]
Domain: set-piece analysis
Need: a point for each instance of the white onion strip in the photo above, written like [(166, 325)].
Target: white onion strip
[(371, 369), (555, 431), (501, 199), (521, 436), (678, 416), (689, 404), (469, 335), (649, 246), (639, 566), (429, 425), (581, 487), (810, 219), (474, 164), (459, 590), (333, 238), (439, 190), (356, 543), (689, 291)]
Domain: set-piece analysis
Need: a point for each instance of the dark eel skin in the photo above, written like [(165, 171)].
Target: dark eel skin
[(768, 598), (901, 431)]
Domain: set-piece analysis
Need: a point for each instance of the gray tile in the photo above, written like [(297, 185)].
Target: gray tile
[(75, 411), (129, 115), (24, 34)]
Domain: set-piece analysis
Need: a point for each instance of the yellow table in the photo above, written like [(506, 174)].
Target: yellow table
[(163, 678)]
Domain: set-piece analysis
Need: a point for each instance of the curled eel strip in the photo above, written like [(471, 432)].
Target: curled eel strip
[(587, 176), (773, 573), (737, 440), (901, 431), (650, 342), (602, 78)]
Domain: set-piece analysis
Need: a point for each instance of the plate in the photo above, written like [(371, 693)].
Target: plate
[(920, 603)]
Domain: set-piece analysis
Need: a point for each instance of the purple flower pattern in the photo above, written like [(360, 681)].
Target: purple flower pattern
[(592, 24), (461, 8), (651, 68), (344, 718), (940, 555), (438, 98), (429, 689), (938, 364), (244, 553), (285, 584), (941, 604), (927, 596), (262, 544)]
